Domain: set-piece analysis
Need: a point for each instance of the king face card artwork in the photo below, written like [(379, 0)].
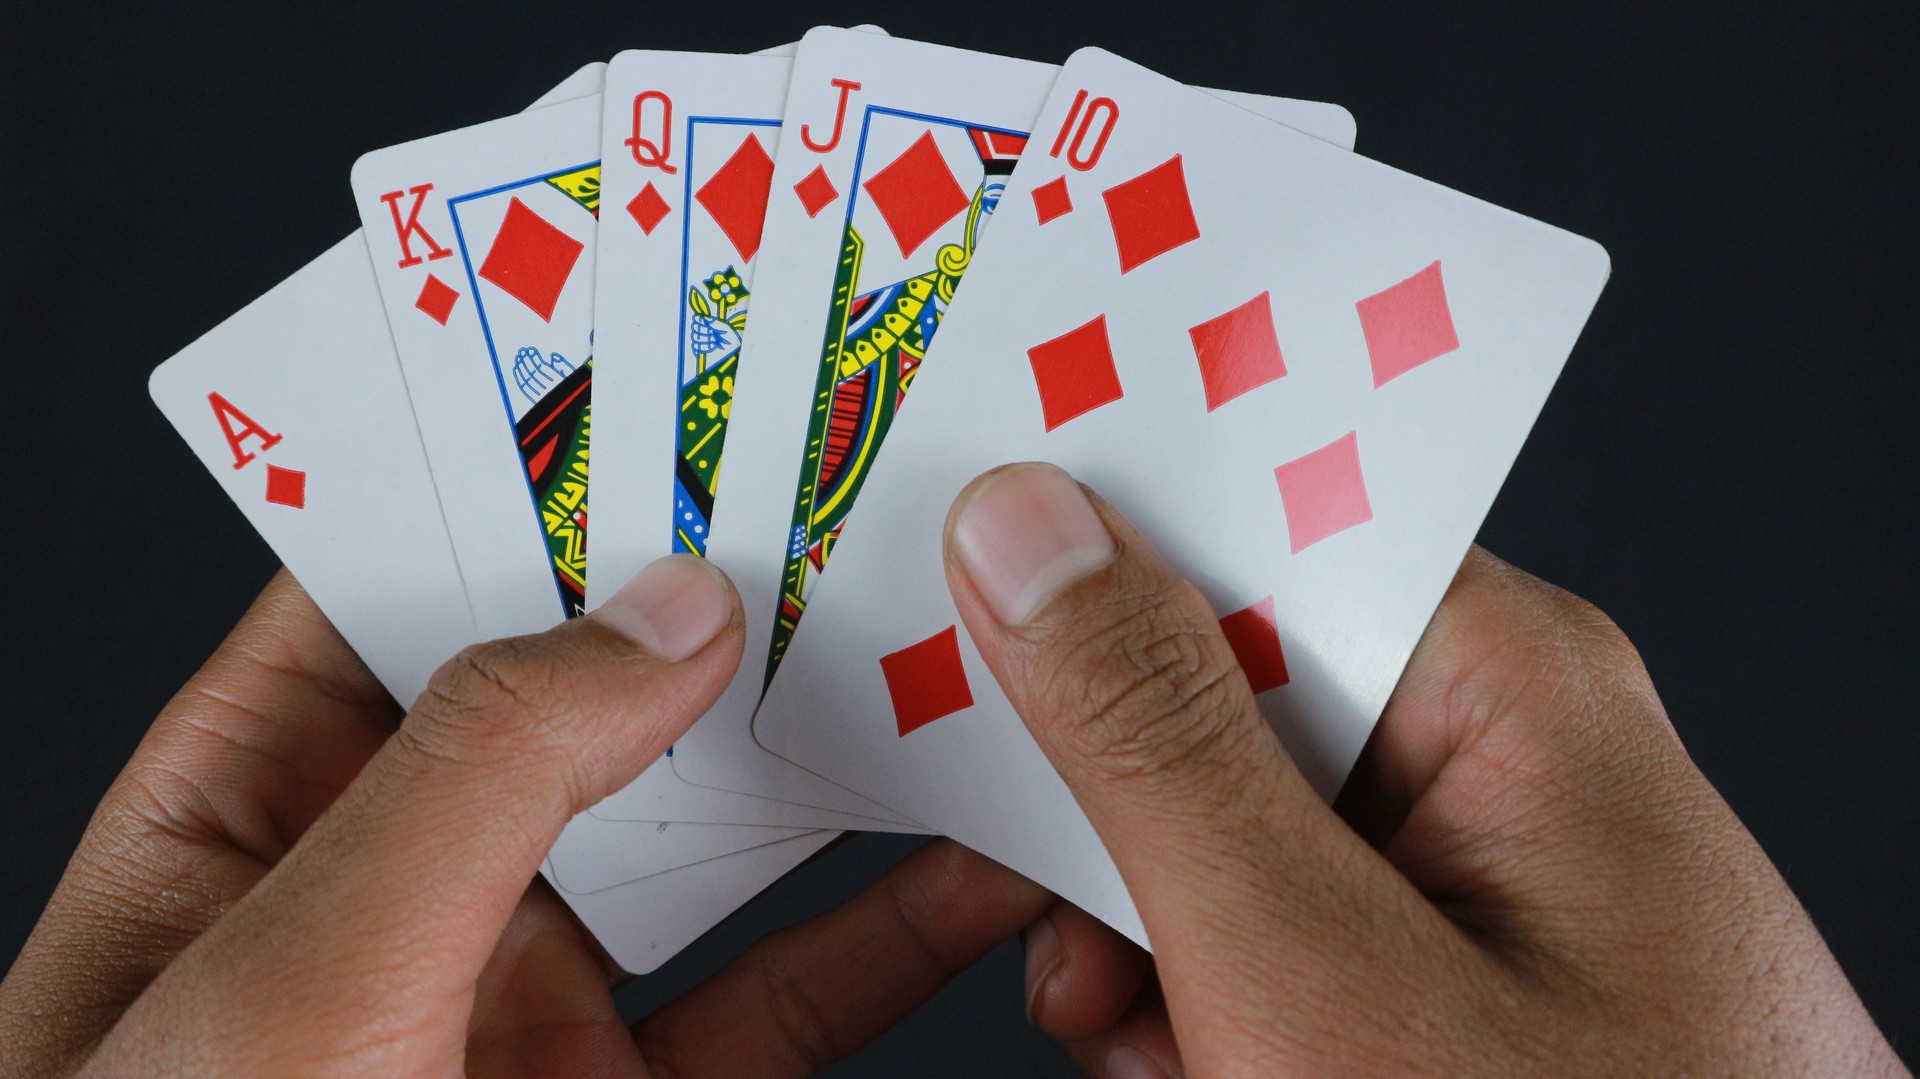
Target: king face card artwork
[(1301, 374), (482, 240), (893, 165), (296, 404)]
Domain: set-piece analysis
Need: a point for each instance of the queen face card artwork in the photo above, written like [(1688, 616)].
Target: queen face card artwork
[(688, 145), (687, 156), (890, 174)]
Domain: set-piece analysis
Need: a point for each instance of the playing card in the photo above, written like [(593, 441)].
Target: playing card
[(644, 923), (482, 240), (687, 152), (593, 854), (688, 147), (297, 407), (310, 434), (1301, 374), (894, 162)]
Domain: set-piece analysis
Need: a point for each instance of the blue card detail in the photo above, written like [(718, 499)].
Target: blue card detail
[(550, 431), (712, 304)]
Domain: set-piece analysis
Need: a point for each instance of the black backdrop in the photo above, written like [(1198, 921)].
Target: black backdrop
[(1726, 467)]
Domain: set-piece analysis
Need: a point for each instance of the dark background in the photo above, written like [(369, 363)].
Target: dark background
[(1726, 467)]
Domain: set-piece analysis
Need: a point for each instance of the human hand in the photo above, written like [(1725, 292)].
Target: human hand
[(281, 882), (1526, 874)]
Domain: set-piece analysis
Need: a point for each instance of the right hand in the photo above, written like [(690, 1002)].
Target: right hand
[(1525, 874)]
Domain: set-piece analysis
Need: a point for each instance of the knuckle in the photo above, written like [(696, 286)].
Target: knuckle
[(802, 1022), (1145, 686), (1559, 691), (500, 694)]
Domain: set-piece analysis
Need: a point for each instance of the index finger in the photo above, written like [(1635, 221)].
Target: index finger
[(235, 768), (811, 994)]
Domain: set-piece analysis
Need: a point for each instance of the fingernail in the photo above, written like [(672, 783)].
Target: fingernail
[(1026, 534), (1126, 1062), (1042, 943), (673, 607)]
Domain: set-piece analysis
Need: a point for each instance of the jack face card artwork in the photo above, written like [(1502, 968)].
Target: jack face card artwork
[(893, 167), (1301, 374), (688, 147), (482, 240), (485, 258)]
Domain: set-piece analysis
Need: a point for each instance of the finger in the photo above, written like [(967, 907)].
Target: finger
[(1125, 680), (1504, 650), (812, 994), (1512, 769), (235, 768), (543, 1007), (1140, 1046), (405, 884), (1081, 975)]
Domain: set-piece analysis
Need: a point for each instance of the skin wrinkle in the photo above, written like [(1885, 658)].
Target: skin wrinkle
[(343, 680), (1538, 780), (1555, 808), (1169, 704), (911, 907), (803, 1021)]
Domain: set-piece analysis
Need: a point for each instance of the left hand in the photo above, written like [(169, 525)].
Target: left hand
[(278, 883)]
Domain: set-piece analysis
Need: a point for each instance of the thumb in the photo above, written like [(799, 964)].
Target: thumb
[(401, 889), (1250, 889)]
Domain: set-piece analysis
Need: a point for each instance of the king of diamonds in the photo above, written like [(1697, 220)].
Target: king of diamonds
[(545, 384)]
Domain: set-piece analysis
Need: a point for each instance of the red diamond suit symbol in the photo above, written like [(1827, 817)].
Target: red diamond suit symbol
[(1151, 214), (736, 196), (916, 194), (531, 259), (816, 191), (648, 209), (436, 299)]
